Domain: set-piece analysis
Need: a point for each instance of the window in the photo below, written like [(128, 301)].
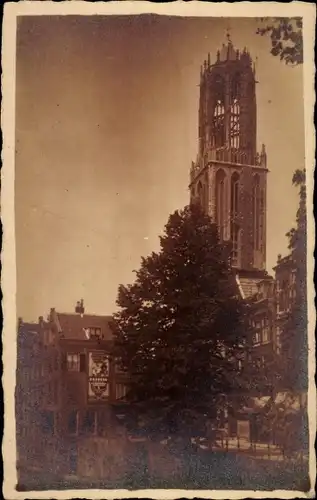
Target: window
[(235, 125), (200, 192), (283, 297), (121, 391), (266, 332), (72, 424), (94, 333), (234, 194), (89, 422), (257, 337), (205, 194), (73, 361), (218, 134), (218, 137), (82, 362), (278, 338), (220, 201), (235, 112), (235, 234), (256, 211), (234, 208)]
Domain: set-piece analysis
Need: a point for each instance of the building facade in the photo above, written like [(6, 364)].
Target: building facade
[(285, 278), (67, 383)]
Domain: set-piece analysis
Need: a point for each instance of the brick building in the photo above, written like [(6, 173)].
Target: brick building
[(66, 379), (285, 276)]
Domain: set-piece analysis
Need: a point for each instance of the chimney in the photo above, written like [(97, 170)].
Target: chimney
[(79, 309)]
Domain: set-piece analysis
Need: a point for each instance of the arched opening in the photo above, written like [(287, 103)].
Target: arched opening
[(218, 133), (256, 212), (206, 195), (234, 202), (235, 112), (220, 201), (199, 192)]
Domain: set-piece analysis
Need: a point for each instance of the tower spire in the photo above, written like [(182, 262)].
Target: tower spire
[(228, 35)]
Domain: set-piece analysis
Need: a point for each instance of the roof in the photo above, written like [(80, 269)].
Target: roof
[(249, 286), (248, 281), (72, 325), (287, 261)]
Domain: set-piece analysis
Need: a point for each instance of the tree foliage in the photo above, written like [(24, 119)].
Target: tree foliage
[(286, 35), (182, 328), (294, 334), (286, 422)]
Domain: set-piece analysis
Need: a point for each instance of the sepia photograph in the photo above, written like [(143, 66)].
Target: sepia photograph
[(162, 216)]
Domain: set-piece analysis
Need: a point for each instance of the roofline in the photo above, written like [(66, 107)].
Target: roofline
[(108, 316)]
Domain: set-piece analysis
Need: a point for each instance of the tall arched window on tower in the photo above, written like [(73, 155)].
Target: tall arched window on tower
[(256, 212), (218, 133), (200, 192), (234, 204), (206, 195), (235, 112), (235, 240), (220, 201)]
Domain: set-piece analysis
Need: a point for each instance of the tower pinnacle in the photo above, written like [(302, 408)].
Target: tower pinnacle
[(228, 37)]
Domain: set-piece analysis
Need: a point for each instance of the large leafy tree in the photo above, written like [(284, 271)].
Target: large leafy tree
[(294, 334), (182, 329), (286, 35)]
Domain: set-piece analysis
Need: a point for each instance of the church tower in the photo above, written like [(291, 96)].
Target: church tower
[(229, 177)]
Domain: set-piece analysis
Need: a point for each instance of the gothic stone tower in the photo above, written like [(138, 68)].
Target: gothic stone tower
[(229, 176)]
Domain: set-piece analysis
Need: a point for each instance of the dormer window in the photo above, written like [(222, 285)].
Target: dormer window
[(93, 333)]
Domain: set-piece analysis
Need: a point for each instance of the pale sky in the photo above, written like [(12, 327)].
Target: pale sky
[(106, 128)]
